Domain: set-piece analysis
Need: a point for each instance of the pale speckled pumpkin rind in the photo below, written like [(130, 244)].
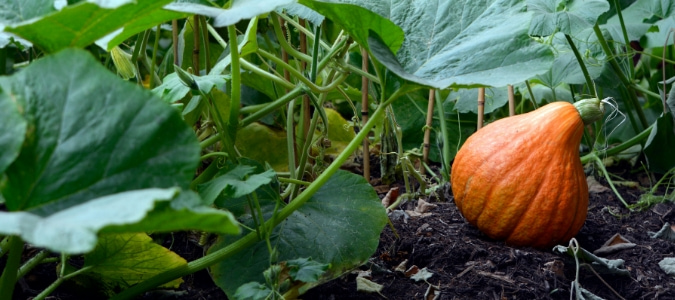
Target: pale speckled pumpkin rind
[(519, 179)]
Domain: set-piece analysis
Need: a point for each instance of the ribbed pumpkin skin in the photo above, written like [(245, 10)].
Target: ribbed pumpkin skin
[(519, 179)]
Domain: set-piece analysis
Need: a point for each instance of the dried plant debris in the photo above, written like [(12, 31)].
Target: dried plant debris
[(600, 265), (667, 233), (668, 265), (614, 244)]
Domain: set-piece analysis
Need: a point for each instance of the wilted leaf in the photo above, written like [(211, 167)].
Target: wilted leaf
[(614, 244), (367, 286), (422, 274), (667, 232), (126, 259), (668, 265), (600, 265)]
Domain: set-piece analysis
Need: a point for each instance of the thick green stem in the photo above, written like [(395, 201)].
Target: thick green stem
[(251, 238), (50, 289), (600, 165), (8, 279), (297, 91), (446, 146), (32, 263), (266, 75), (623, 146), (284, 44), (619, 72), (582, 65), (235, 91)]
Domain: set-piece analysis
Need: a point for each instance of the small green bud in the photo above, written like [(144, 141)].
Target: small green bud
[(122, 60), (186, 78)]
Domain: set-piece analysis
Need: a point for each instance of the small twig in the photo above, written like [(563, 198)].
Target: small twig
[(364, 113), (512, 101), (481, 107), (427, 130)]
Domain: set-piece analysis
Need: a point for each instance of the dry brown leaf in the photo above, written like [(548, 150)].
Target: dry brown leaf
[(594, 187), (391, 197), (614, 244), (423, 206)]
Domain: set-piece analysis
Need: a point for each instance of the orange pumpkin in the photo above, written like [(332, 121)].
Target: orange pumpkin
[(519, 179)]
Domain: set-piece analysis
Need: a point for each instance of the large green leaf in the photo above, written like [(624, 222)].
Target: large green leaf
[(566, 16), (12, 131), (240, 10), (14, 11), (661, 137), (339, 225), (461, 42), (651, 18), (82, 24), (74, 230), (358, 21), (91, 134)]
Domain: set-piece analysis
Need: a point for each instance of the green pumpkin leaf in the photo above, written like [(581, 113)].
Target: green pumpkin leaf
[(12, 131), (239, 10), (451, 50), (91, 134), (122, 260), (652, 19), (235, 183), (84, 23), (306, 270), (339, 225), (74, 230), (568, 17), (661, 137), (359, 18), (173, 89)]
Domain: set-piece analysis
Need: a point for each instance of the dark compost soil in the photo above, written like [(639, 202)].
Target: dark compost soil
[(464, 263)]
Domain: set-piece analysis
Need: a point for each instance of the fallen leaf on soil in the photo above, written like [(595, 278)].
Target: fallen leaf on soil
[(424, 229), (422, 274), (668, 265), (423, 206), (401, 266), (390, 198), (381, 189), (556, 267), (496, 276), (365, 285), (411, 271), (594, 186), (601, 265), (432, 293), (395, 215), (614, 244), (667, 233), (416, 214)]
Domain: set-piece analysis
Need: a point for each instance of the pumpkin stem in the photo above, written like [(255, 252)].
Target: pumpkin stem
[(590, 110)]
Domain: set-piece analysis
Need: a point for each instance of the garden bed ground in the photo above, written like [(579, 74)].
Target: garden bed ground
[(467, 265)]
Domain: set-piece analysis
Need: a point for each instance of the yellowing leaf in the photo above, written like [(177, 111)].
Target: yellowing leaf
[(127, 259), (264, 144)]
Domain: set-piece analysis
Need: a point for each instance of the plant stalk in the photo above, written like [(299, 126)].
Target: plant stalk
[(8, 279)]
